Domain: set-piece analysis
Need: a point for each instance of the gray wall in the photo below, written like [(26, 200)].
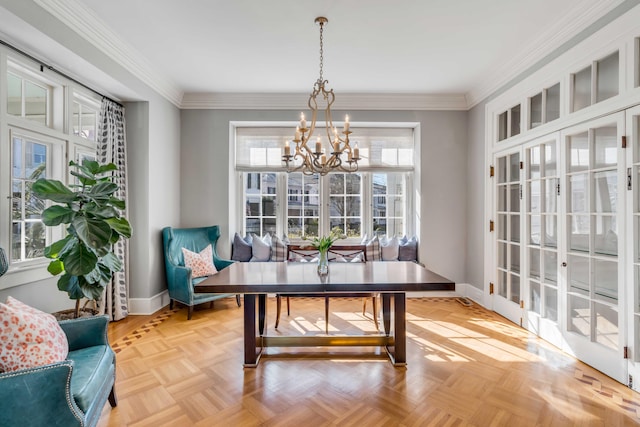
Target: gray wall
[(443, 222), (476, 177)]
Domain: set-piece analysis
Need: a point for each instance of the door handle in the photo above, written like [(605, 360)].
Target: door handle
[(564, 264)]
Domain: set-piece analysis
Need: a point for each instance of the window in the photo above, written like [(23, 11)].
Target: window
[(29, 151), (303, 208), (595, 83), (84, 120), (260, 203), (388, 204), (27, 99), (345, 204), (373, 200), (29, 162), (509, 123)]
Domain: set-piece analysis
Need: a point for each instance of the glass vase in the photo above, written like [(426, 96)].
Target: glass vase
[(323, 263)]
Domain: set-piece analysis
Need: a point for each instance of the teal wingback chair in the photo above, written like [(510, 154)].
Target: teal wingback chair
[(68, 393), (179, 280)]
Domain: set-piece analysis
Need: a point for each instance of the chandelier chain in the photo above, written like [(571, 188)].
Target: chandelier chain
[(321, 49)]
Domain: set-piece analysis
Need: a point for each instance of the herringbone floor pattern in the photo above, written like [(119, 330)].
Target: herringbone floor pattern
[(466, 367)]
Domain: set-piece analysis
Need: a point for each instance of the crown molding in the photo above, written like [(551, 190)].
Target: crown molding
[(89, 26), (344, 101), (567, 28)]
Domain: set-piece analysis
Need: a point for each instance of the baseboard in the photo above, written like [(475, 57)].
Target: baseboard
[(470, 291), (145, 306)]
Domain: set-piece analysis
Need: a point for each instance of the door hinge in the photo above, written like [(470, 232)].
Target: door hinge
[(630, 381), (491, 225), (490, 288), (558, 189), (521, 322), (628, 178), (520, 192), (521, 303), (491, 172), (624, 142), (626, 352), (521, 165)]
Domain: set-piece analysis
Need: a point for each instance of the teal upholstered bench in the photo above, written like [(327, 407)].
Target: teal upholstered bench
[(68, 393)]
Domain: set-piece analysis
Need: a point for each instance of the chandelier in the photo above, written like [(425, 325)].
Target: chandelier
[(311, 159)]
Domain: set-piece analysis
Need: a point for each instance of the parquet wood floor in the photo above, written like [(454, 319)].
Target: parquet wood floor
[(465, 367)]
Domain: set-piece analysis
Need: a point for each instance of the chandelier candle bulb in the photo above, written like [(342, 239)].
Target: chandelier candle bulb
[(318, 146), (287, 148), (356, 151), (346, 123), (336, 146), (303, 122), (297, 134), (324, 159)]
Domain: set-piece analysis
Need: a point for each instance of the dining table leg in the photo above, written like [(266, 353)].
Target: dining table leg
[(262, 313), (386, 313), (251, 350), (400, 328)]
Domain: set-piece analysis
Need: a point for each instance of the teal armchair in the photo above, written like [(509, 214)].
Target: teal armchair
[(179, 280), (68, 393)]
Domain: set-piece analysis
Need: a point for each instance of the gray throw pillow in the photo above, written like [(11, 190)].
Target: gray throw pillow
[(408, 250), (241, 248)]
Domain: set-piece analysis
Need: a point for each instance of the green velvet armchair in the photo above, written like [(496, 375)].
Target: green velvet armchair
[(68, 393), (179, 280)]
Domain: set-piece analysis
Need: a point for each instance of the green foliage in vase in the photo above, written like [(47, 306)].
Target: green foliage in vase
[(323, 243), (91, 212)]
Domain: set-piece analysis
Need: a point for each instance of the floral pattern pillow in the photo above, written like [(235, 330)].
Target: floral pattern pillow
[(201, 264), (29, 337)]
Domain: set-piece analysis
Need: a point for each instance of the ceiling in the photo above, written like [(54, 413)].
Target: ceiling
[(430, 47)]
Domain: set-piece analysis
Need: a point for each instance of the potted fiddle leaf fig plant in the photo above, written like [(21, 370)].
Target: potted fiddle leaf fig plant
[(84, 257)]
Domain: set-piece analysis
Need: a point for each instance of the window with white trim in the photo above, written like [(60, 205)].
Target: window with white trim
[(372, 201), (41, 130)]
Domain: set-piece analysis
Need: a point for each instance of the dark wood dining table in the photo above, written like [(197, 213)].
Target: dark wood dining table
[(391, 279)]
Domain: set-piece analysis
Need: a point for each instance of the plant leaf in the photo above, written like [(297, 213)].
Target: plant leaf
[(57, 214), (106, 168), (53, 250), (111, 261), (80, 260), (103, 189), (93, 232), (71, 286), (51, 189), (55, 267), (120, 226), (117, 203)]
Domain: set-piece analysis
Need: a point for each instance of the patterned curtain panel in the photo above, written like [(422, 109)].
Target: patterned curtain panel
[(112, 148)]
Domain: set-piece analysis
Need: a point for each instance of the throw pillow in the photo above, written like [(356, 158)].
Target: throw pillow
[(408, 251), (358, 258), (29, 337), (278, 249), (389, 249), (241, 248), (261, 248), (373, 249), (201, 264)]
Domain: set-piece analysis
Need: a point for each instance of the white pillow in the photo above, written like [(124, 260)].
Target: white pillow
[(389, 248), (261, 248)]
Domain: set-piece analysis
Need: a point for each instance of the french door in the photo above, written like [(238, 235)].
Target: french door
[(632, 187), (560, 260), (593, 262), (508, 195)]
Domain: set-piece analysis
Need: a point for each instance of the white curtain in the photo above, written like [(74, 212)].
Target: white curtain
[(112, 148)]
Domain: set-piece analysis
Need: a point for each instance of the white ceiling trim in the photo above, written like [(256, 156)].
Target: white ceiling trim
[(543, 45), (85, 23), (343, 101)]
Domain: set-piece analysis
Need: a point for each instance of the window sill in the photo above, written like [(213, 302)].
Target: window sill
[(25, 274)]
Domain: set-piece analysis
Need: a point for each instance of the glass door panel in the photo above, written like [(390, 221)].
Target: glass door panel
[(594, 271), (541, 250), (509, 237)]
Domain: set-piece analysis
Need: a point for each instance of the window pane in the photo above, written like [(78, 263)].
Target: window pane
[(552, 108), (606, 191), (14, 97), (336, 183), (303, 205), (551, 303), (606, 278), (502, 126), (29, 160), (550, 266), (260, 203), (579, 152), (579, 273), (606, 150), (579, 234), (535, 104), (607, 77), (388, 207), (606, 326), (582, 89), (579, 316), (534, 296), (550, 163), (35, 102), (578, 193)]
